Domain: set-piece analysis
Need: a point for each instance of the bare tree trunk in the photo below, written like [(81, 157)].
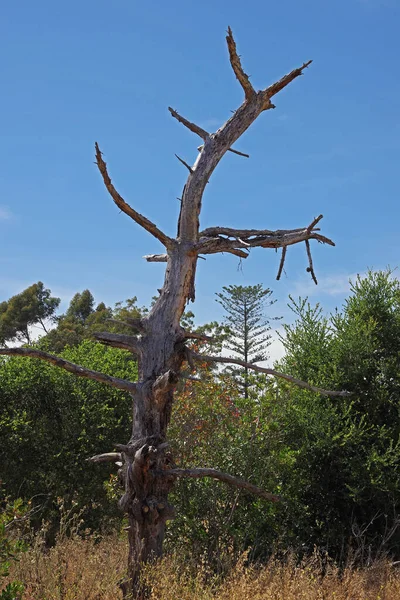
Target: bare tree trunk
[(161, 357), (147, 469)]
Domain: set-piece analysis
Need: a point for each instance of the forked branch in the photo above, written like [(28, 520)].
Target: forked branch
[(199, 130), (77, 370), (229, 479), (301, 384), (125, 207), (217, 144)]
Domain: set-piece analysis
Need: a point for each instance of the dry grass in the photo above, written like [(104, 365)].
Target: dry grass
[(81, 569), (276, 581), (73, 569)]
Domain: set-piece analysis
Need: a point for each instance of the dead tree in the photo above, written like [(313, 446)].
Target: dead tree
[(146, 465)]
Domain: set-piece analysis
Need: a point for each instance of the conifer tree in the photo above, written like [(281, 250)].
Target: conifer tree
[(248, 327)]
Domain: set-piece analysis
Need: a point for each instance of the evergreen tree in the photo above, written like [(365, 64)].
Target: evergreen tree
[(81, 306), (248, 327), (33, 306), (83, 319)]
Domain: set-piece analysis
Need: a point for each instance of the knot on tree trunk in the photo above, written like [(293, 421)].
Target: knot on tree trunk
[(164, 384), (145, 497)]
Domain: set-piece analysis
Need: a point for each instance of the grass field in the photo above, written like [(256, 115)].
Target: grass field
[(86, 569)]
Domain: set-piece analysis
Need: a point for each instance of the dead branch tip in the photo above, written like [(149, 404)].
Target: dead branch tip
[(241, 76)]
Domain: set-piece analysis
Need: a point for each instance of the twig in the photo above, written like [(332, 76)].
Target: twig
[(192, 126), (310, 268), (281, 265), (184, 163)]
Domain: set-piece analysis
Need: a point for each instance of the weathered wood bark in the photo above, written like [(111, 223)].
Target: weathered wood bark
[(147, 470)]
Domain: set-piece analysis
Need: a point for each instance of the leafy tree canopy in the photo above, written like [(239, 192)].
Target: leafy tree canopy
[(34, 306)]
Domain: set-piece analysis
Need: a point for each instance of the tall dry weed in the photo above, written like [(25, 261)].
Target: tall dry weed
[(75, 568), (89, 569)]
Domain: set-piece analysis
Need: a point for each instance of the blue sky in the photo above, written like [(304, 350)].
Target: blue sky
[(76, 72)]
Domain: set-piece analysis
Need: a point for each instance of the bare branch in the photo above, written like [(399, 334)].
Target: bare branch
[(126, 208), (115, 457), (310, 268), (273, 89), (314, 223), (192, 126), (238, 153), (276, 239), (199, 130), (118, 340), (229, 479), (289, 378), (156, 257), (236, 252), (213, 240), (217, 144), (237, 67), (211, 232), (282, 263), (116, 382), (184, 163)]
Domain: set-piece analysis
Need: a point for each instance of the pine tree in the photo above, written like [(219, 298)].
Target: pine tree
[(248, 327)]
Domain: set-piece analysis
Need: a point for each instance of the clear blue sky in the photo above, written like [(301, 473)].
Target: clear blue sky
[(75, 72)]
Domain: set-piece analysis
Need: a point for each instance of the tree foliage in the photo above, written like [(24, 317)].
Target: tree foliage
[(83, 318), (348, 450), (51, 422), (334, 462), (34, 306)]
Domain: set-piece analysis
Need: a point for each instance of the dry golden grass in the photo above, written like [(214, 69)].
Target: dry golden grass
[(81, 569), (73, 569), (276, 581)]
